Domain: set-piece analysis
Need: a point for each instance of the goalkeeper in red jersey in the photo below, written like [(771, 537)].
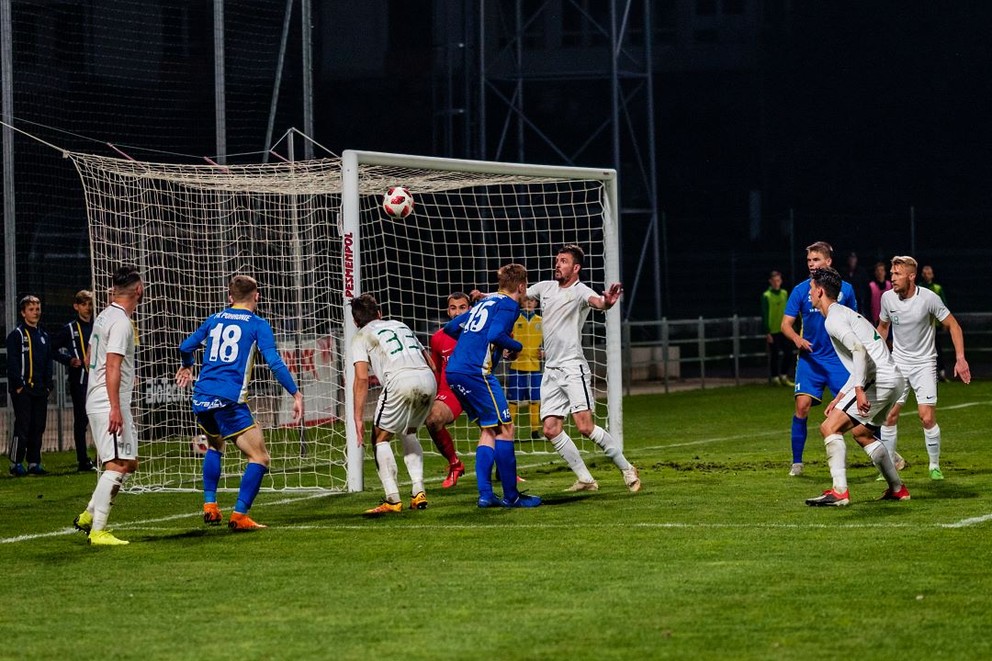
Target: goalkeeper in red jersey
[(446, 407)]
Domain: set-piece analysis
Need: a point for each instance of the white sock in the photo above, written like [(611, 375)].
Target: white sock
[(413, 457), (837, 460), (385, 464), (932, 438), (566, 448), (610, 447), (103, 497), (889, 436), (882, 459)]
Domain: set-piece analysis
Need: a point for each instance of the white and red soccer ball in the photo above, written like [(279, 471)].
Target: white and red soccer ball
[(398, 202)]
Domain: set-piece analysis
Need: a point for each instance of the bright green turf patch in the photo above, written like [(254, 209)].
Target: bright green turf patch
[(716, 558)]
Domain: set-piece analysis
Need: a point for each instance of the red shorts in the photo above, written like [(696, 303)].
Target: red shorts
[(446, 397)]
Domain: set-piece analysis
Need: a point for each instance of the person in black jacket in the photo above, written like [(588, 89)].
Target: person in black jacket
[(71, 347), (29, 382)]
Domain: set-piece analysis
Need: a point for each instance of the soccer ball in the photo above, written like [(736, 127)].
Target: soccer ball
[(398, 202), (198, 444)]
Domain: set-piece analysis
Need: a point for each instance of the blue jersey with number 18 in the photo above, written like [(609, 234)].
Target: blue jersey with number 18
[(229, 340)]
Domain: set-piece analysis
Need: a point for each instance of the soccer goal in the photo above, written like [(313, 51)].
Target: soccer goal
[(314, 234)]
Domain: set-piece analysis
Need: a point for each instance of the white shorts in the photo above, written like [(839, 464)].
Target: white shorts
[(882, 397), (922, 379), (123, 445), (566, 390), (406, 401)]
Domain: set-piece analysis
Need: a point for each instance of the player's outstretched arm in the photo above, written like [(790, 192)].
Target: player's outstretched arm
[(267, 347), (609, 298), (454, 327)]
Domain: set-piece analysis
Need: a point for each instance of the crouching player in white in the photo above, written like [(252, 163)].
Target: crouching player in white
[(108, 403), (862, 404), (911, 312), (390, 350)]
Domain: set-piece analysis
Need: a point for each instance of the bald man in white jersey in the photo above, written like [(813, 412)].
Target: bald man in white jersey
[(566, 385), (863, 402), (911, 313)]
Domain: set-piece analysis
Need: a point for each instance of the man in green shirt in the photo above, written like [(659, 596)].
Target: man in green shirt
[(779, 350)]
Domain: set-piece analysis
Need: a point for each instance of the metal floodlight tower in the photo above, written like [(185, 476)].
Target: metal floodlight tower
[(512, 44)]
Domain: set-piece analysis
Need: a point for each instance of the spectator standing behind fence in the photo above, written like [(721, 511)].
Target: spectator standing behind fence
[(779, 348), (525, 372), (29, 382), (70, 349), (878, 286), (927, 283)]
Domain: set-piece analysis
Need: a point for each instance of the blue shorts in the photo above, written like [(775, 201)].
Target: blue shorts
[(218, 418), (812, 376), (482, 398), (523, 386)]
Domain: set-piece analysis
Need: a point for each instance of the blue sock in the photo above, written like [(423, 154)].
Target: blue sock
[(250, 483), (506, 463), (211, 475), (485, 457), (798, 439)]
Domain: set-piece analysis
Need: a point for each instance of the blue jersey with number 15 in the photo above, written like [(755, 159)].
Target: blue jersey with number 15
[(483, 333), (229, 340)]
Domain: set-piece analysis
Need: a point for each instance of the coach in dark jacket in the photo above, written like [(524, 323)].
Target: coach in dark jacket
[(29, 382), (71, 346)]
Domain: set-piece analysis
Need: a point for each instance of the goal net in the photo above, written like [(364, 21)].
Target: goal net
[(314, 234)]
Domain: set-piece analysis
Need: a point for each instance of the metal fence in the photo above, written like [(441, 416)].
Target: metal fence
[(669, 353)]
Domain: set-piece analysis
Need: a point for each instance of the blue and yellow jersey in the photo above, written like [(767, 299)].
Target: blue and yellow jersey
[(229, 340), (527, 330)]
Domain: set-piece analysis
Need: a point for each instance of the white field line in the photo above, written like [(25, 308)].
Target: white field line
[(957, 406), (964, 523)]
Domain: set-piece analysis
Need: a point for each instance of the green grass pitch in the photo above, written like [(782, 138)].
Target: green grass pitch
[(716, 558)]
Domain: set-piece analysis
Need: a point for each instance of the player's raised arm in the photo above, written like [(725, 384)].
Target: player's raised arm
[(609, 298)]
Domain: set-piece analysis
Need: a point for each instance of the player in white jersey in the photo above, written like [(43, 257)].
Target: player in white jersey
[(565, 386), (871, 390), (389, 350), (911, 313), (108, 402)]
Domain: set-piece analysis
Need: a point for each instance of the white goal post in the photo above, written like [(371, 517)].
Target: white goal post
[(315, 235)]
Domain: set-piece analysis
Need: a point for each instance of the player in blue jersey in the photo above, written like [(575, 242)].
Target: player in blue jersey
[(818, 365), (484, 334), (220, 395)]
